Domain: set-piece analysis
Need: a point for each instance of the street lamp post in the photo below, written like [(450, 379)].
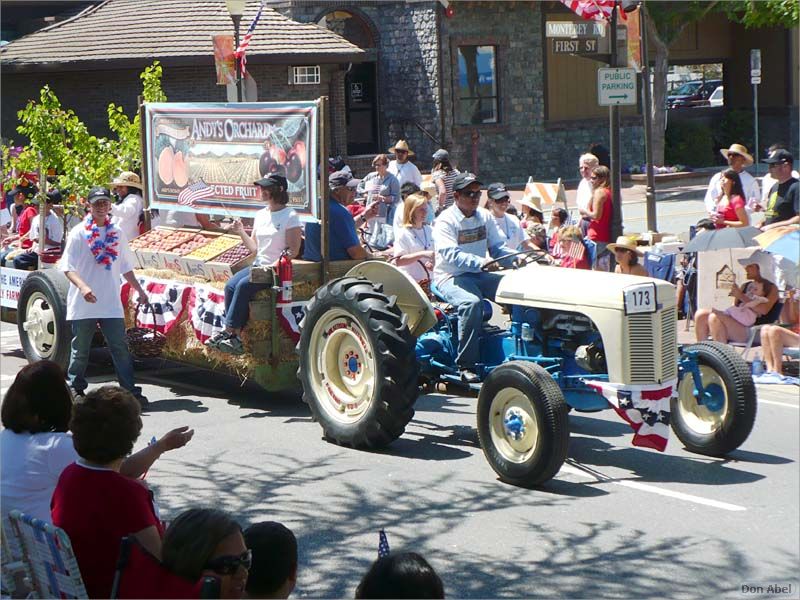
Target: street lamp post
[(236, 9)]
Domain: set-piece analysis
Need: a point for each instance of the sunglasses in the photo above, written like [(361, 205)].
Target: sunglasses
[(228, 565), (733, 155), (401, 151), (380, 164), (475, 194), (502, 201)]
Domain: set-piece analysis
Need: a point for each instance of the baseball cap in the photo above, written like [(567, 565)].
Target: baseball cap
[(340, 179), (441, 154), (28, 190), (273, 180), (464, 180), (497, 191), (98, 193), (779, 156)]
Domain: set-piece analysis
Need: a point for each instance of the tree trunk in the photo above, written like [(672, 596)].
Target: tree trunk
[(660, 54)]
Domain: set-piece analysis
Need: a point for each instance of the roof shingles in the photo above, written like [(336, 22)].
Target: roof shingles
[(148, 29)]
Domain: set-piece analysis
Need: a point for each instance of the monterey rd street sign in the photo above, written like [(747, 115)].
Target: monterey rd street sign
[(570, 29), (616, 86)]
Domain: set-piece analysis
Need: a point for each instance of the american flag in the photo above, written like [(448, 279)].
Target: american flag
[(383, 545), (576, 250), (196, 191), (241, 51), (644, 407), (595, 10)]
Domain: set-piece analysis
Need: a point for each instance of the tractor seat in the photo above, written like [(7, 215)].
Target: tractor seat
[(487, 306)]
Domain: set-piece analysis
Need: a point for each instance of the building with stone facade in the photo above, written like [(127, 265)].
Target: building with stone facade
[(480, 79)]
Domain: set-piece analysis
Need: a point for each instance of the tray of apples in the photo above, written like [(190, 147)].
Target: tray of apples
[(233, 255)]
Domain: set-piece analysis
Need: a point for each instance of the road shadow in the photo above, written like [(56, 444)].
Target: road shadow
[(653, 466), (175, 405), (586, 424)]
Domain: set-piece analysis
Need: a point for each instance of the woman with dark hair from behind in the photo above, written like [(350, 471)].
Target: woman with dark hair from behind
[(403, 575), (208, 542), (94, 502), (34, 444)]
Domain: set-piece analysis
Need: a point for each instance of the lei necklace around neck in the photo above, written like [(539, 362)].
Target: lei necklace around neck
[(104, 250)]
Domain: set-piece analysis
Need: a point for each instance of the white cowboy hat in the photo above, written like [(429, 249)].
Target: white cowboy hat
[(401, 145), (532, 202), (627, 243), (740, 150), (429, 187), (128, 179)]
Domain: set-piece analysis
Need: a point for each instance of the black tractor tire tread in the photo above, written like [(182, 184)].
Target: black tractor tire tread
[(741, 390), (54, 284), (556, 423), (393, 347)]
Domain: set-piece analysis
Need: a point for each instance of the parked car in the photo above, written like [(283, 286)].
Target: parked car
[(717, 97), (693, 93)]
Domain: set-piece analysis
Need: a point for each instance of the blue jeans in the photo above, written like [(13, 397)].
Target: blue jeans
[(26, 261), (466, 292), (114, 332), (238, 293)]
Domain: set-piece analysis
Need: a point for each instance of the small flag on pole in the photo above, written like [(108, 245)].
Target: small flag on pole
[(241, 51), (383, 545), (576, 251), (193, 193)]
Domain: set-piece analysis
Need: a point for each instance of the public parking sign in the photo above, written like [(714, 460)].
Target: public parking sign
[(616, 86)]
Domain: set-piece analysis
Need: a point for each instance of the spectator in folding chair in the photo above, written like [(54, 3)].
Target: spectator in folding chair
[(206, 541), (273, 573), (627, 256), (36, 446), (574, 254), (93, 502), (724, 328)]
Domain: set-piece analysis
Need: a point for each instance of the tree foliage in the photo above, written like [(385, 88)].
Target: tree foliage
[(59, 141)]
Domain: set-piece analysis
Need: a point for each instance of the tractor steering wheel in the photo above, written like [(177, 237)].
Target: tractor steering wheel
[(526, 257)]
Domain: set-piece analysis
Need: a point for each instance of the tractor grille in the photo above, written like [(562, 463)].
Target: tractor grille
[(650, 362)]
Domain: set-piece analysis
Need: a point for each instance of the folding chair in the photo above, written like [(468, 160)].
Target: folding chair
[(47, 556), (13, 570), (141, 575), (754, 337), (660, 266)]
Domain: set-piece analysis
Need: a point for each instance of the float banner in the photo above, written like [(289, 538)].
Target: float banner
[(228, 147), (224, 60), (11, 281)]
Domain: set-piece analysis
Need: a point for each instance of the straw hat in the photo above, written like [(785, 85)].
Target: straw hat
[(127, 179), (626, 243), (737, 149), (429, 187), (532, 202), (401, 145)]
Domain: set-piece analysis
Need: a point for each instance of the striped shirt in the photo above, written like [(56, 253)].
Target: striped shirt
[(448, 177)]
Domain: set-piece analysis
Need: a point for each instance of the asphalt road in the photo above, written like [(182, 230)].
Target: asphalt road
[(616, 522)]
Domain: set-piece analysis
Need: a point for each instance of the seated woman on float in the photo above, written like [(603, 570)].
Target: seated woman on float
[(275, 228)]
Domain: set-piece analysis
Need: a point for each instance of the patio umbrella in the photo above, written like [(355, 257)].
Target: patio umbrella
[(784, 241), (723, 239)]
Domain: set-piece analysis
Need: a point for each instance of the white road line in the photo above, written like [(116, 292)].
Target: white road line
[(778, 403), (643, 487)]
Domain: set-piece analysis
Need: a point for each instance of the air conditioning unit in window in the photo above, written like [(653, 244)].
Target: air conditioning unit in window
[(304, 75)]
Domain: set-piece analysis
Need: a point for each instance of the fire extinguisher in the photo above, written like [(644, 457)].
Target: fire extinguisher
[(285, 276)]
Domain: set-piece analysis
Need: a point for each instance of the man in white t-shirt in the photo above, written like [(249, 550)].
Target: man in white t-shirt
[(583, 198), (126, 214), (54, 231), (463, 234), (738, 159), (401, 167), (95, 257)]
